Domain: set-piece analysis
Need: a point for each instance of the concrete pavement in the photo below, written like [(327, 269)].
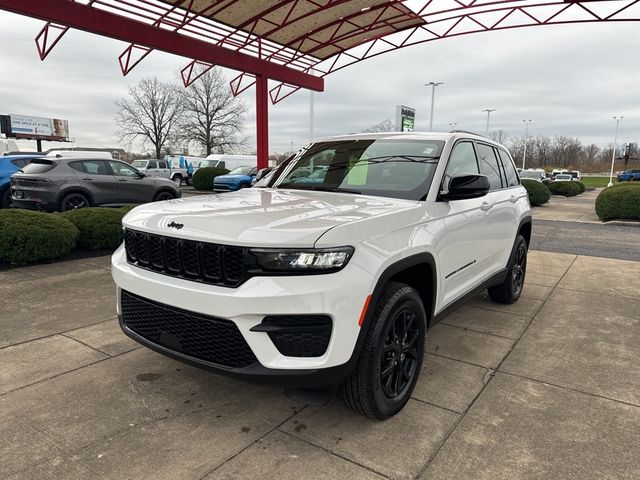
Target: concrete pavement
[(546, 388)]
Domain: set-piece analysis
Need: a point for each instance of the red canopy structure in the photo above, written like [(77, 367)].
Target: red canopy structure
[(294, 43)]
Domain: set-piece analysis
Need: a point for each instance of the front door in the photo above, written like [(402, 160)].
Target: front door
[(132, 188)]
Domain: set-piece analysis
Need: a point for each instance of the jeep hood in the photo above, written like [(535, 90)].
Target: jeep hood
[(261, 217)]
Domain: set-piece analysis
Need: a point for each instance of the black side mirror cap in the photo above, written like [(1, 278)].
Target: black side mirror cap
[(466, 186)]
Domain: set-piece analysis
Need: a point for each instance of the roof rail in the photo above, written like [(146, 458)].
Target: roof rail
[(469, 132)]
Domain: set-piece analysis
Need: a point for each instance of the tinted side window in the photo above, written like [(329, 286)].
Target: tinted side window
[(462, 160), (509, 169), (153, 164), (489, 165), (123, 170), (93, 167), (162, 164), (19, 162)]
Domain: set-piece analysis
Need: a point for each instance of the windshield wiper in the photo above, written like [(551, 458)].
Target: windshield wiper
[(318, 188)]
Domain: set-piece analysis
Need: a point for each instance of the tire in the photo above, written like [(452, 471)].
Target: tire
[(376, 388), (244, 185), (510, 290), (74, 201), (5, 199), (164, 195), (177, 179)]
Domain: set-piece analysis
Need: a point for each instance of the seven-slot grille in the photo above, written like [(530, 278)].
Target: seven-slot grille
[(199, 261), (212, 339)]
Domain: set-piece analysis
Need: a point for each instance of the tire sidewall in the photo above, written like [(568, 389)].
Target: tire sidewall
[(386, 406), (519, 241)]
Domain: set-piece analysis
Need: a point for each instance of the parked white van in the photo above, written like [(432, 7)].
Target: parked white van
[(229, 162)]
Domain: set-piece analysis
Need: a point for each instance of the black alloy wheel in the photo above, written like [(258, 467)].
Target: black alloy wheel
[(162, 196), (390, 358), (510, 289), (74, 201), (399, 353), (519, 268)]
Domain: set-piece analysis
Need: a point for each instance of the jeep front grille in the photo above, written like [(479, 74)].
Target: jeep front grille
[(222, 265), (214, 340)]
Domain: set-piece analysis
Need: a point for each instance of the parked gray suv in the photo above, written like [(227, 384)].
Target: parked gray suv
[(69, 183)]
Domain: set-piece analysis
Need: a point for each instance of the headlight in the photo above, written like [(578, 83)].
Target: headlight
[(303, 260)]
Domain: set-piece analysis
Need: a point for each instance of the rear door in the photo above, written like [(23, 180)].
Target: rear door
[(499, 209), (96, 177), (163, 169), (132, 188)]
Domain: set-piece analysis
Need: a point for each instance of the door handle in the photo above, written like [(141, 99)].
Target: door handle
[(485, 207), (122, 180), (513, 199), (88, 178)]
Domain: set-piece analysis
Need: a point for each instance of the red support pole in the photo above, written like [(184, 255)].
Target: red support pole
[(262, 120)]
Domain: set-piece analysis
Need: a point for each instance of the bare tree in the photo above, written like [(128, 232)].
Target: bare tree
[(384, 126), (499, 136), (152, 113), (213, 116)]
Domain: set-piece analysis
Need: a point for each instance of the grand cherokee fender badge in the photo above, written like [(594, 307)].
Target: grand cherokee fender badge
[(175, 225)]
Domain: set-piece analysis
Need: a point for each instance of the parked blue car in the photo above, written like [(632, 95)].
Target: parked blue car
[(629, 176), (236, 179), (10, 164)]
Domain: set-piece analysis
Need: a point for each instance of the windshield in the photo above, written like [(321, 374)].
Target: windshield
[(142, 164), (208, 163), (388, 168), (242, 171)]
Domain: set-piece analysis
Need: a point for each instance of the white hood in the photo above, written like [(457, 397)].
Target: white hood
[(260, 217)]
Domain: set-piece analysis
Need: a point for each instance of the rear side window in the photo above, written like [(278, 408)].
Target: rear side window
[(19, 162), (39, 166), (152, 165), (510, 169), (489, 165), (92, 167), (162, 164)]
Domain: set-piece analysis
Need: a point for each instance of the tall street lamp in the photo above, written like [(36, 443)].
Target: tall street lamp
[(526, 139), (488, 110), (433, 86), (615, 146)]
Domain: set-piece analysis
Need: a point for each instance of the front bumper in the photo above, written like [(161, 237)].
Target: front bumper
[(338, 295)]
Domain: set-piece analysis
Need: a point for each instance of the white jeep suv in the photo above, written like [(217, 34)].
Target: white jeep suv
[(334, 273)]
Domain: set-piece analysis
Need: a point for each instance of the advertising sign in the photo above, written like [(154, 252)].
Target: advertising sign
[(23, 126), (405, 118)]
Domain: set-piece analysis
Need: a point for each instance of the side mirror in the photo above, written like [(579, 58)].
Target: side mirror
[(467, 186), (141, 174)]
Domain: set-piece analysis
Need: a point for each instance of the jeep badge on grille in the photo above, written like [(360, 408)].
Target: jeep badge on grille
[(175, 225)]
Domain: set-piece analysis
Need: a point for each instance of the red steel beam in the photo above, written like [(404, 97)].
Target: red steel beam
[(89, 19), (262, 121)]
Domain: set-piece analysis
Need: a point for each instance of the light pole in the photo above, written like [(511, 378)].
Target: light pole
[(615, 146), (433, 86), (488, 110), (526, 138), (453, 126)]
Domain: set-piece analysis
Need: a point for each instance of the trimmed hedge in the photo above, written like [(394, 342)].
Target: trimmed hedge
[(622, 201), (27, 236), (538, 192), (100, 228), (568, 189), (203, 178), (580, 185)]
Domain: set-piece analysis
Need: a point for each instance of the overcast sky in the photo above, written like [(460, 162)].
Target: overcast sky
[(569, 80)]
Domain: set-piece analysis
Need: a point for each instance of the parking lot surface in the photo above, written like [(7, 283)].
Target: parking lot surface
[(546, 388)]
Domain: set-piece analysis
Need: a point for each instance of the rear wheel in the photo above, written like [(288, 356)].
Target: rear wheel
[(510, 290), (5, 199), (74, 201), (391, 357), (177, 179), (162, 196)]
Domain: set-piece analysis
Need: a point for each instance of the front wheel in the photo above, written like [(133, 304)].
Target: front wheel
[(391, 358), (510, 290), (162, 196)]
